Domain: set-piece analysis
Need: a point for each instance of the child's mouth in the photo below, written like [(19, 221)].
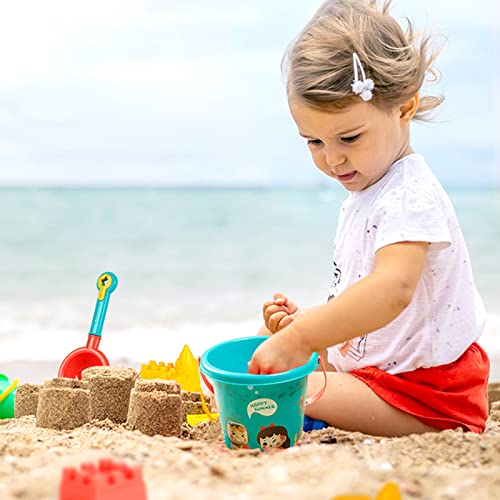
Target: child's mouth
[(346, 177)]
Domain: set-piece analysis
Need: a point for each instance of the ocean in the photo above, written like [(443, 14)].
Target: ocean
[(194, 264)]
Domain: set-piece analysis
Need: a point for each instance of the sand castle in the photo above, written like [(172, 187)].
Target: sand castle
[(63, 404), (109, 392), (186, 373), (110, 388), (26, 401), (156, 407), (191, 404)]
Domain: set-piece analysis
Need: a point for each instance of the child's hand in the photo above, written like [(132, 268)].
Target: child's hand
[(279, 353), (279, 312)]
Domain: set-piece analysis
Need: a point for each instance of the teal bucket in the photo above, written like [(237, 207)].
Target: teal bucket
[(256, 411)]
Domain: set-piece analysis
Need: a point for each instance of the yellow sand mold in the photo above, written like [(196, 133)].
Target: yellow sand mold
[(186, 373)]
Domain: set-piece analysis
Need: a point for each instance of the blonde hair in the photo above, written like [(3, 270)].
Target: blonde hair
[(318, 65)]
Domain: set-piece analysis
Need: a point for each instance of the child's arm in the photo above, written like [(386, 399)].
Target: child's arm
[(264, 331), (368, 305)]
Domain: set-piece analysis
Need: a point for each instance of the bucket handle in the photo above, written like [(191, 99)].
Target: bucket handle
[(207, 383), (315, 397), (309, 400)]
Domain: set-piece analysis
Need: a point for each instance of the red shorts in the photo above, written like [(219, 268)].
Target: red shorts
[(443, 397)]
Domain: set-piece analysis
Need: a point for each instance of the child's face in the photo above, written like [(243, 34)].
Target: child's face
[(356, 145), (274, 441)]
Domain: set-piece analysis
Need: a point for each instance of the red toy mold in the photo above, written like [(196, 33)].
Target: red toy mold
[(107, 481)]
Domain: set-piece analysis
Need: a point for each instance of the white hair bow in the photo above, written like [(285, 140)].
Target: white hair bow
[(363, 87)]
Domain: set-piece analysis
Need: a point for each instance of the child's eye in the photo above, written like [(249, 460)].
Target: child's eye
[(314, 142), (350, 140)]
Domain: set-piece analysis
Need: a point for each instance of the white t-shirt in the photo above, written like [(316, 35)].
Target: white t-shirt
[(446, 313)]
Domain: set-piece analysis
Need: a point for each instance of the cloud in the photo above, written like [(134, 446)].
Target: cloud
[(180, 92)]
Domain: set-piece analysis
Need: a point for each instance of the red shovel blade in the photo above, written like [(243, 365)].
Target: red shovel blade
[(84, 357)]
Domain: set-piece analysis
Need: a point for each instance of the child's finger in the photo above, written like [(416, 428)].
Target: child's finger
[(273, 309), (285, 322), (267, 304), (275, 319), (252, 367), (284, 301), (280, 298)]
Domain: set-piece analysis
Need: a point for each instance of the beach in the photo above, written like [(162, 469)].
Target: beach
[(192, 271), (436, 466)]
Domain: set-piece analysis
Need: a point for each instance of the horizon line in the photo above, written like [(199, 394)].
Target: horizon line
[(309, 186)]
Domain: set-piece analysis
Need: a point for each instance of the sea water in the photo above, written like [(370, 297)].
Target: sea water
[(194, 265)]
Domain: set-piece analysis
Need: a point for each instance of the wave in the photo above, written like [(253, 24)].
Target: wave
[(141, 344), (50, 330), (137, 344)]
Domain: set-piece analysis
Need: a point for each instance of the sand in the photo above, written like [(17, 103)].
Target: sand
[(447, 465), (436, 466)]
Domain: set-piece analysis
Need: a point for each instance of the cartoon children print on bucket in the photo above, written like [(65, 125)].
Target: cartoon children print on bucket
[(238, 435), (274, 436)]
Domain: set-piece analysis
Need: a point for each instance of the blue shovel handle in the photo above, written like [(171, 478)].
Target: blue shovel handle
[(106, 284)]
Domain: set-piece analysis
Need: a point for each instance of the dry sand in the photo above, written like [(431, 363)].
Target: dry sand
[(447, 465)]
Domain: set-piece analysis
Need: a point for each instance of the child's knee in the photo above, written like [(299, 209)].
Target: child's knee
[(315, 382)]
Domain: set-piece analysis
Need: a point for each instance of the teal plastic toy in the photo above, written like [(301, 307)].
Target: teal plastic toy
[(7, 396), (90, 355), (256, 411)]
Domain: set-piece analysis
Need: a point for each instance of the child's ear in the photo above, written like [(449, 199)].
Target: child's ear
[(408, 109)]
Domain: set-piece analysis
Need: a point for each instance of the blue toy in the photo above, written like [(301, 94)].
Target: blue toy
[(256, 411)]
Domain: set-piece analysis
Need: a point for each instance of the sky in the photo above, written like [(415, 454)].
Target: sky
[(167, 93)]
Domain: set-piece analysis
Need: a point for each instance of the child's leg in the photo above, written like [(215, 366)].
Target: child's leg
[(351, 405)]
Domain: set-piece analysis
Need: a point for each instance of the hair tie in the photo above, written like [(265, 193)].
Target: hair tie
[(361, 87)]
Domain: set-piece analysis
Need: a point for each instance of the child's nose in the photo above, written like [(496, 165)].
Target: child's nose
[(334, 159)]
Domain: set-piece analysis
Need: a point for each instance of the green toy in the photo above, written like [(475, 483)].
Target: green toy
[(7, 396)]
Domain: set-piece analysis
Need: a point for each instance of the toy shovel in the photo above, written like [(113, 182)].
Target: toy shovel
[(85, 357)]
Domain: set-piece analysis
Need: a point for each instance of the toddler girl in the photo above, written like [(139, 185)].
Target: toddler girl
[(403, 315)]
